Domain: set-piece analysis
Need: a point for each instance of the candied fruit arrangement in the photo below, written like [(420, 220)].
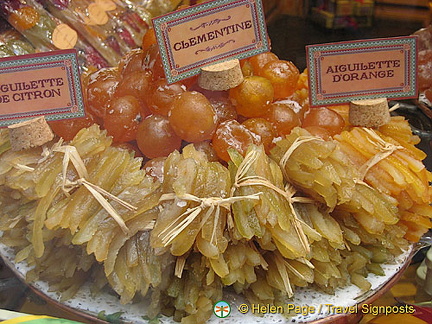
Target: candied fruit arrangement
[(171, 193), (182, 228), (250, 113)]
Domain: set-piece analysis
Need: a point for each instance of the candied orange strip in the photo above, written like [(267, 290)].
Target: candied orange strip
[(417, 219)]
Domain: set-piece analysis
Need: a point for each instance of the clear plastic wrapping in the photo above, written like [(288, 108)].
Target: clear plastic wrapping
[(112, 27), (47, 33), (12, 42)]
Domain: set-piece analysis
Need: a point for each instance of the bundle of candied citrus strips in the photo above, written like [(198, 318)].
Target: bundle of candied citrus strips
[(315, 206)]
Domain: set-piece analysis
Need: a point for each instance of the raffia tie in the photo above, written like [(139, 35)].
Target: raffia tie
[(385, 150), (288, 192), (296, 144), (212, 204), (71, 155)]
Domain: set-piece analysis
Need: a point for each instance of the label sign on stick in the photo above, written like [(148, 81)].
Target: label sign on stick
[(367, 69), (208, 33), (45, 84)]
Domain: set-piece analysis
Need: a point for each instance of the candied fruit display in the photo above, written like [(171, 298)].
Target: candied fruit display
[(192, 117), (169, 195), (252, 97), (283, 76), (156, 138)]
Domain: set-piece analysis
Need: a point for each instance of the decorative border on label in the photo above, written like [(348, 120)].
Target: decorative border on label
[(163, 25), (66, 60), (321, 93)]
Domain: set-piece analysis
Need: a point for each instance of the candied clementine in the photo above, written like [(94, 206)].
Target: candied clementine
[(284, 115), (161, 96), (232, 135), (122, 118), (258, 61), (252, 97), (132, 61), (325, 118), (149, 39), (153, 62), (68, 128), (318, 131), (264, 129), (283, 75), (156, 138), (192, 117), (136, 83), (224, 108), (100, 90), (343, 111), (246, 67)]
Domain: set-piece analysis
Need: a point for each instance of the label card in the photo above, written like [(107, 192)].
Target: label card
[(45, 84), (367, 69), (208, 33)]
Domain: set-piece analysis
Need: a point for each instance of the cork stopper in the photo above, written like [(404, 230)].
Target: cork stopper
[(221, 76), (369, 112), (30, 133)]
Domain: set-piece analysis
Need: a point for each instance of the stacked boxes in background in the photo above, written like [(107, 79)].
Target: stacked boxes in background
[(335, 14)]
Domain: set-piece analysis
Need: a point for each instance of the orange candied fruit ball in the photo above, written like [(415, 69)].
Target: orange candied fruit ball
[(68, 128), (232, 135), (132, 61), (257, 62), (252, 97), (303, 80), (343, 111), (153, 61), (100, 90), (192, 117), (161, 96), (284, 115), (319, 132), (156, 138), (24, 18), (122, 118), (283, 75), (325, 118), (136, 83), (224, 108), (264, 129)]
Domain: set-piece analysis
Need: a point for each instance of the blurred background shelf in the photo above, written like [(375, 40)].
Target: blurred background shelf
[(414, 10)]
